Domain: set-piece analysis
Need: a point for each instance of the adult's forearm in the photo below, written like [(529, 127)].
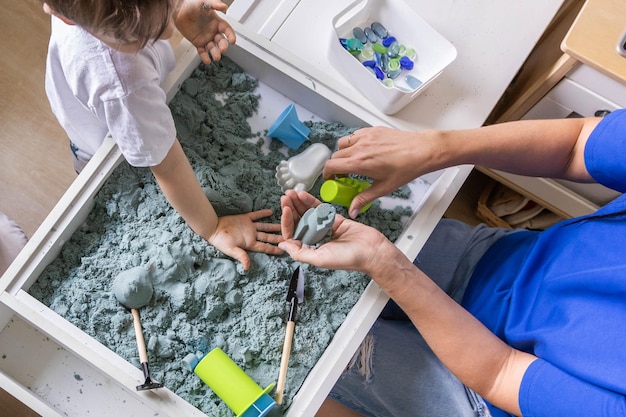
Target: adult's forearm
[(464, 345), (547, 148)]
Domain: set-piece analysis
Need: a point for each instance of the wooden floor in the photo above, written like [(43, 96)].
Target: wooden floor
[(35, 164)]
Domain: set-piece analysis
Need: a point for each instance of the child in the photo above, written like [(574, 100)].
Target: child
[(106, 62)]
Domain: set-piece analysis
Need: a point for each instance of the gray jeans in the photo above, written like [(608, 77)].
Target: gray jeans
[(394, 372)]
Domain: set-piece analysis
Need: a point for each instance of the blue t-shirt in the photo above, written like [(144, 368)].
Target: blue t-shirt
[(560, 294)]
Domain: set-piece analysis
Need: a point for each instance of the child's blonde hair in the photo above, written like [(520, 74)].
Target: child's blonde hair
[(126, 21)]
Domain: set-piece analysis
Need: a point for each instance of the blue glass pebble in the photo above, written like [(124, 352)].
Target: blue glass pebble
[(406, 63), (369, 63), (377, 58), (371, 36), (379, 30), (379, 73), (412, 82), (358, 33), (389, 40), (343, 42)]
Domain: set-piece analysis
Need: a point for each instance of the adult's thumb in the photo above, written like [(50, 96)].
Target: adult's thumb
[(361, 200)]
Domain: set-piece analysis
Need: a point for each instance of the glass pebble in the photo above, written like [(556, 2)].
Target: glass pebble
[(367, 53), (379, 73), (383, 55), (412, 82), (388, 40), (379, 48), (358, 33), (394, 69), (379, 30), (371, 36), (384, 62), (406, 63), (377, 58), (410, 53), (393, 49), (353, 44), (394, 64), (394, 74), (369, 63)]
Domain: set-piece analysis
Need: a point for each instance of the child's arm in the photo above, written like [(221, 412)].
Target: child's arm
[(197, 21), (232, 235)]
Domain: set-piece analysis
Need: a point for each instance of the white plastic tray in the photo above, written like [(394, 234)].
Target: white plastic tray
[(434, 52), (56, 369)]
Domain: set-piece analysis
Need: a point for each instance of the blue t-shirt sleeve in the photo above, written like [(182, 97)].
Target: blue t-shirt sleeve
[(548, 391), (605, 151)]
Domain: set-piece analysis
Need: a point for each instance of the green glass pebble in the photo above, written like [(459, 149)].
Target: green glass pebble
[(379, 48), (394, 69), (394, 64), (367, 53), (410, 53)]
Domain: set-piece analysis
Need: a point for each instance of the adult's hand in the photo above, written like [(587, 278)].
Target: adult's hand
[(197, 20), (352, 246), (390, 157)]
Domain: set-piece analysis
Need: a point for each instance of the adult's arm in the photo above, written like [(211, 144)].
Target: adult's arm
[(392, 158), (465, 346)]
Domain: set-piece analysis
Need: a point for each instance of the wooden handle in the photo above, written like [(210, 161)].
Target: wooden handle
[(284, 362), (141, 343)]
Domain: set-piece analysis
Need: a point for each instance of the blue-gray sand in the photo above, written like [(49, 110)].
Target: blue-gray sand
[(133, 287), (202, 299)]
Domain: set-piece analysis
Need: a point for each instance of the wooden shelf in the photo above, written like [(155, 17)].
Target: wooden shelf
[(594, 35)]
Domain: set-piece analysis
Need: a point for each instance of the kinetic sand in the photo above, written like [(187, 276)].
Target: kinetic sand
[(203, 299)]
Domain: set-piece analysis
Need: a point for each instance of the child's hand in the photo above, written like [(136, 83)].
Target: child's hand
[(236, 234), (197, 21)]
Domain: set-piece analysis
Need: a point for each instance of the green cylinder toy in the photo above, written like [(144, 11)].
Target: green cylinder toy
[(242, 395), (342, 191)]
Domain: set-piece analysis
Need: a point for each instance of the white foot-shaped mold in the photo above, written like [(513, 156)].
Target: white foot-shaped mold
[(300, 172)]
